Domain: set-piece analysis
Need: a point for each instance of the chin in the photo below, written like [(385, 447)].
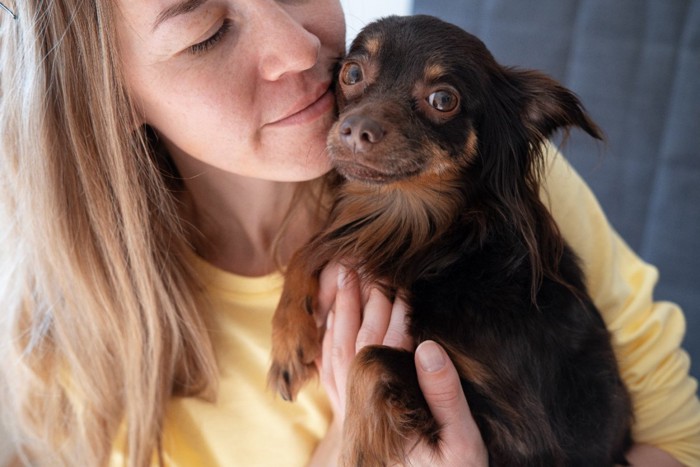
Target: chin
[(308, 162), (309, 172)]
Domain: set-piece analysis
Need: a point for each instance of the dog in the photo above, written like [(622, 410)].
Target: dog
[(440, 149)]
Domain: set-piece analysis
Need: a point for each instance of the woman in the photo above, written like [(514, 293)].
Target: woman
[(159, 159)]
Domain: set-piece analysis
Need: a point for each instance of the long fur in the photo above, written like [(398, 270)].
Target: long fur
[(443, 208)]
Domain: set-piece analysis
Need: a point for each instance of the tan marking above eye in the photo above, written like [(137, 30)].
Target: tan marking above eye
[(433, 72), (372, 45)]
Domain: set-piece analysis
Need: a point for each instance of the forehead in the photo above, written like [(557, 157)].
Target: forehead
[(151, 5), (137, 17), (148, 15), (146, 10)]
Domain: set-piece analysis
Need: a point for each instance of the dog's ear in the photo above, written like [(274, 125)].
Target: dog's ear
[(524, 109), (548, 106)]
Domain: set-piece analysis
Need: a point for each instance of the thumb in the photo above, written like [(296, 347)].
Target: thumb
[(443, 392)]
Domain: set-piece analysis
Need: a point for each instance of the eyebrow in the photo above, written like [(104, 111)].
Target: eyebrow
[(180, 8)]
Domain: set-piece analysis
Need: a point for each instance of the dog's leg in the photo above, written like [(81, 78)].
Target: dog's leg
[(296, 338), (386, 412)]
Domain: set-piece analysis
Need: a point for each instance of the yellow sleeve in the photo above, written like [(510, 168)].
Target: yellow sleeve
[(646, 334)]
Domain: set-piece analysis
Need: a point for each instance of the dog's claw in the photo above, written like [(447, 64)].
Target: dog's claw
[(295, 347), (296, 338), (287, 378), (309, 305), (280, 380)]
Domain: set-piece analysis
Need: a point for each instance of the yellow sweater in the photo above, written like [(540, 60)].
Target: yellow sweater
[(249, 426)]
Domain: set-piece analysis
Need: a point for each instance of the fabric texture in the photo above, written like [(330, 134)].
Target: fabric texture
[(635, 64), (249, 424)]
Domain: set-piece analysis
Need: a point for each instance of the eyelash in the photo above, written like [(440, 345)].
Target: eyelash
[(213, 40)]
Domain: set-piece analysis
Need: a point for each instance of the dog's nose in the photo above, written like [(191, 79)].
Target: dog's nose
[(359, 133)]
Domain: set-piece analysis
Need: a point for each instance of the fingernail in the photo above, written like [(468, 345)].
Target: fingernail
[(342, 274), (430, 356)]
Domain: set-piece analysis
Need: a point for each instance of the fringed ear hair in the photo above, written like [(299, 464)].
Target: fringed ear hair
[(7, 9), (549, 106)]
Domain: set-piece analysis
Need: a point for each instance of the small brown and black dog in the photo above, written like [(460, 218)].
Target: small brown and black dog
[(440, 149)]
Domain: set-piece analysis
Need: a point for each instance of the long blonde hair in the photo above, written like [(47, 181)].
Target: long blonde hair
[(98, 317)]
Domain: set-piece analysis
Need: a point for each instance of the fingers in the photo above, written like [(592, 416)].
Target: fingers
[(442, 389), (360, 316), (375, 320), (326, 370), (397, 334), (346, 321), (328, 287), (381, 321)]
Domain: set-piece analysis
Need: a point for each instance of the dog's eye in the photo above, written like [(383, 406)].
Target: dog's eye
[(444, 101), (351, 73)]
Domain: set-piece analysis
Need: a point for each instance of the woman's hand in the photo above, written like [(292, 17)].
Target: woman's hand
[(461, 439), (364, 316), (359, 318)]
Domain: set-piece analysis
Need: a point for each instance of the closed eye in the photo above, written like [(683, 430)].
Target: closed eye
[(211, 41)]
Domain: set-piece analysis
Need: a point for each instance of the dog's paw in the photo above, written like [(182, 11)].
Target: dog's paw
[(296, 344), (386, 412)]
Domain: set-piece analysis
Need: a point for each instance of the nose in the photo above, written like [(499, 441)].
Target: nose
[(284, 44), (360, 133)]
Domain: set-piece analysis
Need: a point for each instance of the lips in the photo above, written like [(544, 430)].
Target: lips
[(308, 108)]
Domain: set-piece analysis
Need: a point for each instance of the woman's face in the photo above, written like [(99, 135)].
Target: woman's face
[(241, 85)]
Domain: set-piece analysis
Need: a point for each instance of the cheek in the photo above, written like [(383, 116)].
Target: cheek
[(197, 103), (327, 22), (195, 92)]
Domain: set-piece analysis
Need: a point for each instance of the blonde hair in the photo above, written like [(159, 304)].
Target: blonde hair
[(98, 319)]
